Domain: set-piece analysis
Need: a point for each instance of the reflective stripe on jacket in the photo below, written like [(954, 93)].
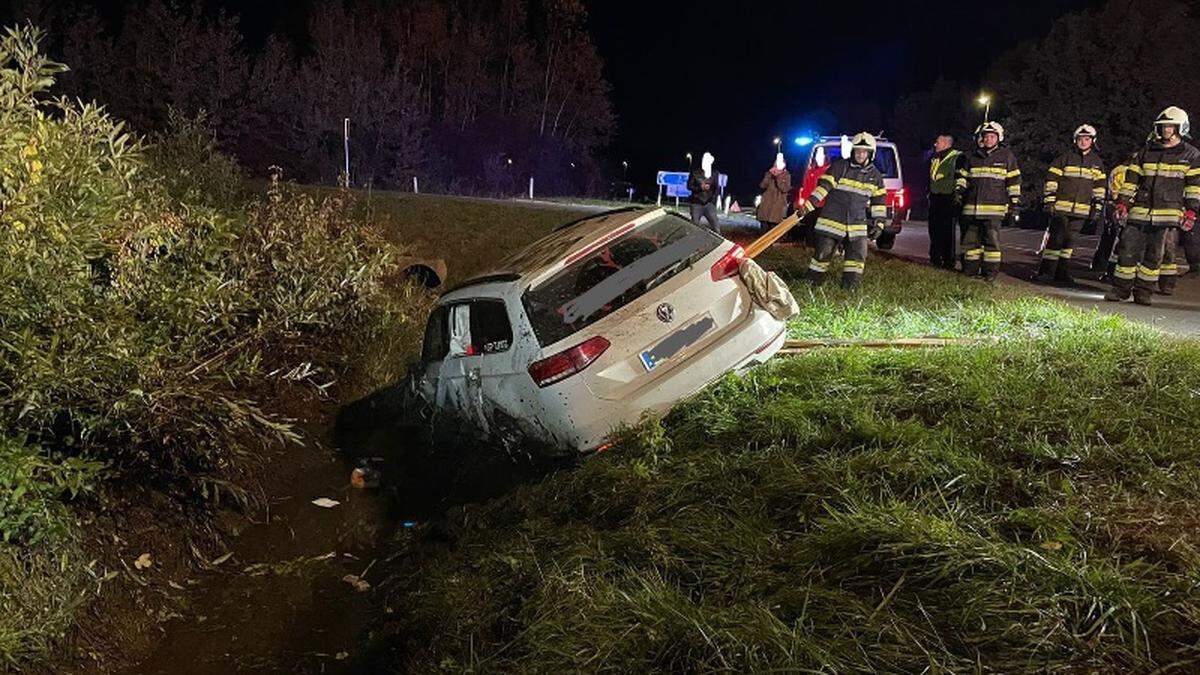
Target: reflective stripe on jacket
[(1160, 183), (1074, 181), (854, 195), (943, 172), (988, 182)]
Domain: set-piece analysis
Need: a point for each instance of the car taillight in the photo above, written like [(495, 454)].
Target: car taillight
[(727, 266), (896, 199), (566, 363)]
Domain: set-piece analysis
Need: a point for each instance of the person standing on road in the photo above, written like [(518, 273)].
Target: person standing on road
[(855, 210), (702, 183), (1161, 193), (988, 189), (1105, 258), (775, 186), (943, 171), (1074, 194)]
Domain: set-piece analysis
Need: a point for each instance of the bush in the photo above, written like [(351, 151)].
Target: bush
[(148, 305)]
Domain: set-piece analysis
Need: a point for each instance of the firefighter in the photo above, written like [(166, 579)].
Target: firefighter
[(989, 190), (1161, 194), (1105, 258), (1075, 189), (943, 171), (855, 210)]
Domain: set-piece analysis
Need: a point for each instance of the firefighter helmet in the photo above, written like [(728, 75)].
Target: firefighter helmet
[(1173, 116), (863, 140), (1084, 130), (990, 127)]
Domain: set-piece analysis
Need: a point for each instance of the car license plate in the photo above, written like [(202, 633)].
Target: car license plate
[(677, 342)]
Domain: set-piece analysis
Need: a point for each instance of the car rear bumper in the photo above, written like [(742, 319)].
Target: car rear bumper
[(588, 420)]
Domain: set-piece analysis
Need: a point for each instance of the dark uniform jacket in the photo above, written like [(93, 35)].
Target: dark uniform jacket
[(1074, 182), (699, 194), (854, 195), (1160, 183), (988, 182)]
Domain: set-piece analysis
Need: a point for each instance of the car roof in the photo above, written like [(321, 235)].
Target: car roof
[(567, 240)]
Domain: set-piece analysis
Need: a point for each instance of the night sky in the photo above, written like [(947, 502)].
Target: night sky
[(730, 76)]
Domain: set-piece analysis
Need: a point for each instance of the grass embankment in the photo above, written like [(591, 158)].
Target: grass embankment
[(1022, 505)]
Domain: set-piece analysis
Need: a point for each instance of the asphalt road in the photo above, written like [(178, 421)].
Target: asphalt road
[(1179, 313)]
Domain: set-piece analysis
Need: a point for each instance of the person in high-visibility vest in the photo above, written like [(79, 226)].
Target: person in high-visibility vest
[(943, 171), (989, 190), (1074, 194), (1161, 194)]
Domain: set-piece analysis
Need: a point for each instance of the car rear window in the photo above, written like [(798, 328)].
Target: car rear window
[(885, 159), (614, 275)]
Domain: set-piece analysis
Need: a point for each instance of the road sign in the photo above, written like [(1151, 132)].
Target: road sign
[(676, 182)]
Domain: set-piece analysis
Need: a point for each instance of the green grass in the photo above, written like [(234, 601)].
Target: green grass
[(471, 235), (900, 299), (1021, 505)]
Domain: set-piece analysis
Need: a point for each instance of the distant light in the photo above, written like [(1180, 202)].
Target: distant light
[(803, 140), (778, 140), (510, 160), (984, 99)]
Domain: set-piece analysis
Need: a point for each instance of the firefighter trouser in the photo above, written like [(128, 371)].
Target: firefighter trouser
[(1168, 271), (1139, 255), (1056, 257), (708, 212), (1107, 245), (852, 269), (1190, 243), (941, 230), (981, 246)]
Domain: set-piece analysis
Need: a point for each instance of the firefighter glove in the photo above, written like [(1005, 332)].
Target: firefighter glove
[(1188, 221), (1121, 210)]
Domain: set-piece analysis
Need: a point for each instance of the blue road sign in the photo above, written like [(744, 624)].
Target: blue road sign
[(676, 182)]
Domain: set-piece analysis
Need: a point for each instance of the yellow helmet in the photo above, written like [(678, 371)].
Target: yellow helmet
[(1173, 116), (865, 141)]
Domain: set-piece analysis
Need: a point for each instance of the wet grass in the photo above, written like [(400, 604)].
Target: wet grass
[(900, 299), (1021, 505)]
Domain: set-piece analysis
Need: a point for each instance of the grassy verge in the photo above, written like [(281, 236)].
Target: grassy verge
[(899, 299), (1022, 505)]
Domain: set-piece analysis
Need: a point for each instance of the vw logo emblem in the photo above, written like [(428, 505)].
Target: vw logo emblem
[(665, 312)]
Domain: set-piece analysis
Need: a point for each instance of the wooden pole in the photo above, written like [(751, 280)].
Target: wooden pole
[(772, 235)]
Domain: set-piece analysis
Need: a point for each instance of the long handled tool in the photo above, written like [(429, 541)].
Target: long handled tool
[(771, 236)]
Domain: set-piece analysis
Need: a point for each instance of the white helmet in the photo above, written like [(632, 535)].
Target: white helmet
[(990, 127), (1084, 130), (866, 142), (1175, 116)]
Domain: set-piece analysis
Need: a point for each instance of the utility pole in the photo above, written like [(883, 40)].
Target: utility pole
[(346, 147)]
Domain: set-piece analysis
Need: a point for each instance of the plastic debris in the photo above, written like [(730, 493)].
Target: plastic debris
[(325, 502)]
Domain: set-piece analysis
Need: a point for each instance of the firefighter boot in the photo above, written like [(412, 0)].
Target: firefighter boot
[(1166, 284), (1062, 273), (851, 282), (816, 277), (1045, 273), (1119, 293), (1142, 296)]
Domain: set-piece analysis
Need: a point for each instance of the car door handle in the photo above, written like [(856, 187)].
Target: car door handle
[(473, 375)]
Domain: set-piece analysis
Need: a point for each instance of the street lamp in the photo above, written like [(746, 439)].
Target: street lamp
[(985, 100), (777, 141), (689, 156), (624, 169)]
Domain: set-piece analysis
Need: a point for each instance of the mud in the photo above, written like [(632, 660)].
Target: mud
[(292, 598)]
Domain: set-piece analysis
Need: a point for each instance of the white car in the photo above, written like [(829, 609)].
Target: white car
[(584, 330)]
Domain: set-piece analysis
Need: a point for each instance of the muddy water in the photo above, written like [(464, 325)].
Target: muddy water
[(281, 603)]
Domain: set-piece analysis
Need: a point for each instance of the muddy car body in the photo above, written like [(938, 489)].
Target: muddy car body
[(604, 319)]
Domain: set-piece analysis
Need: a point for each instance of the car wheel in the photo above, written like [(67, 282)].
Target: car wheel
[(885, 241)]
